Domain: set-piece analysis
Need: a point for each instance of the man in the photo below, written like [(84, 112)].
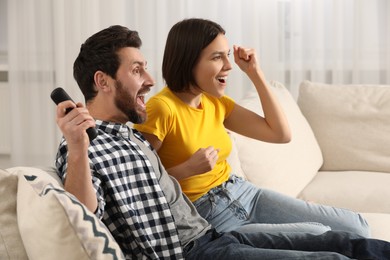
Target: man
[(119, 176)]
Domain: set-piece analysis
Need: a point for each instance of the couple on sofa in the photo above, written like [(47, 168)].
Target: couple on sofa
[(120, 177)]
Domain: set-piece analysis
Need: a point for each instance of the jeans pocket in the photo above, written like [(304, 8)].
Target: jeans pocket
[(205, 208), (238, 210), (187, 249)]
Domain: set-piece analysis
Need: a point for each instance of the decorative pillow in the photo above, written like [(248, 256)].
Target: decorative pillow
[(286, 168), (54, 225), (11, 244), (233, 159), (351, 124)]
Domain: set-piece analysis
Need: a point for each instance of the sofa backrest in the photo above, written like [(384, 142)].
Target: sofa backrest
[(286, 168), (351, 124), (11, 244)]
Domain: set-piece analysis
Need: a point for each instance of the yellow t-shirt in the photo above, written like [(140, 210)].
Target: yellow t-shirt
[(184, 129)]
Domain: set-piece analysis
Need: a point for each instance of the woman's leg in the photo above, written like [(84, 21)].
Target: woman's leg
[(225, 213), (266, 206), (305, 227), (330, 245), (238, 203)]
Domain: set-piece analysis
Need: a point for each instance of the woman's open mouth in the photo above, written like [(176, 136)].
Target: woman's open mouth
[(222, 79)]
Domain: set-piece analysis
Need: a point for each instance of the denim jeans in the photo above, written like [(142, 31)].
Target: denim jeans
[(329, 245), (239, 205)]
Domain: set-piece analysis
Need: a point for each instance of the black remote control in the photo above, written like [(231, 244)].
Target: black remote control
[(59, 95)]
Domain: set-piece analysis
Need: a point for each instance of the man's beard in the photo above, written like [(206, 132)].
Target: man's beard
[(125, 103)]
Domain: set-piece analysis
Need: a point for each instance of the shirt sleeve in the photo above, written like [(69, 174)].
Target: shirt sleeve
[(228, 103), (100, 197), (62, 166), (159, 118)]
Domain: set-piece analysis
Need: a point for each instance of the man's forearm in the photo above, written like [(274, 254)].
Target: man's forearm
[(79, 180)]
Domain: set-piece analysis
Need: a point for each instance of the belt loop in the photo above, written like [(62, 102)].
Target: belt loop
[(212, 198)]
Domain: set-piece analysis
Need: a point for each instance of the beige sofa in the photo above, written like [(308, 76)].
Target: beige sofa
[(339, 155)]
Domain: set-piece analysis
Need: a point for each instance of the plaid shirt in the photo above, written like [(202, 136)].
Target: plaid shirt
[(130, 200)]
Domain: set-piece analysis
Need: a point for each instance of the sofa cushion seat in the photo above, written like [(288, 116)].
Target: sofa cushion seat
[(379, 225), (356, 190)]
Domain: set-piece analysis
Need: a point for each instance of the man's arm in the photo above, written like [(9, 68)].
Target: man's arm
[(73, 126)]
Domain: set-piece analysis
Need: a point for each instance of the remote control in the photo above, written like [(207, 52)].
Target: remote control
[(59, 95)]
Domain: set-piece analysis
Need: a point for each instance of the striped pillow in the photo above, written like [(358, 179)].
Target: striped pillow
[(54, 225)]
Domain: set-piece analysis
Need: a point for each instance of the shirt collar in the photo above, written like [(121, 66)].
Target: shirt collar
[(115, 129)]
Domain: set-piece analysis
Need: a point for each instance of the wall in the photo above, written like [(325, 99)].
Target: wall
[(5, 141)]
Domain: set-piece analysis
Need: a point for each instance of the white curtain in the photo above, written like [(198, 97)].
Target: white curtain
[(31, 77), (44, 39), (332, 41)]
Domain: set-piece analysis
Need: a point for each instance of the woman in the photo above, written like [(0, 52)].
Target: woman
[(187, 123)]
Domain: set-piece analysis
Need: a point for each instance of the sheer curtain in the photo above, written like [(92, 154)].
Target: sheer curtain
[(333, 41), (31, 77), (44, 39)]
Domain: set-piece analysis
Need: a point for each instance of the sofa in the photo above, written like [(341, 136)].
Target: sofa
[(339, 155)]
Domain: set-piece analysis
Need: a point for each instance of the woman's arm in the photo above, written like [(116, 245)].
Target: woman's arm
[(273, 127), (201, 161)]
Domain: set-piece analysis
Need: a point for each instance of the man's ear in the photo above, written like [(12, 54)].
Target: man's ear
[(101, 80)]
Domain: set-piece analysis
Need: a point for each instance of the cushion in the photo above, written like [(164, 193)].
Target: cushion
[(11, 245), (351, 124), (233, 159), (379, 225), (286, 168), (350, 189), (54, 225)]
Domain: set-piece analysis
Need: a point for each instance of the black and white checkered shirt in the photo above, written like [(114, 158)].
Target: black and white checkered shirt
[(131, 202)]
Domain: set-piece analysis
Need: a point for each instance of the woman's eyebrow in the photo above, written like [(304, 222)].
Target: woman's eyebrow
[(220, 52)]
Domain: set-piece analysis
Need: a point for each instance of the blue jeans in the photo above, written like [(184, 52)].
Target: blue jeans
[(329, 245), (239, 205)]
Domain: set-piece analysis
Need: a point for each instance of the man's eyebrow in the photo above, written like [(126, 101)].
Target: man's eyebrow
[(140, 63)]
